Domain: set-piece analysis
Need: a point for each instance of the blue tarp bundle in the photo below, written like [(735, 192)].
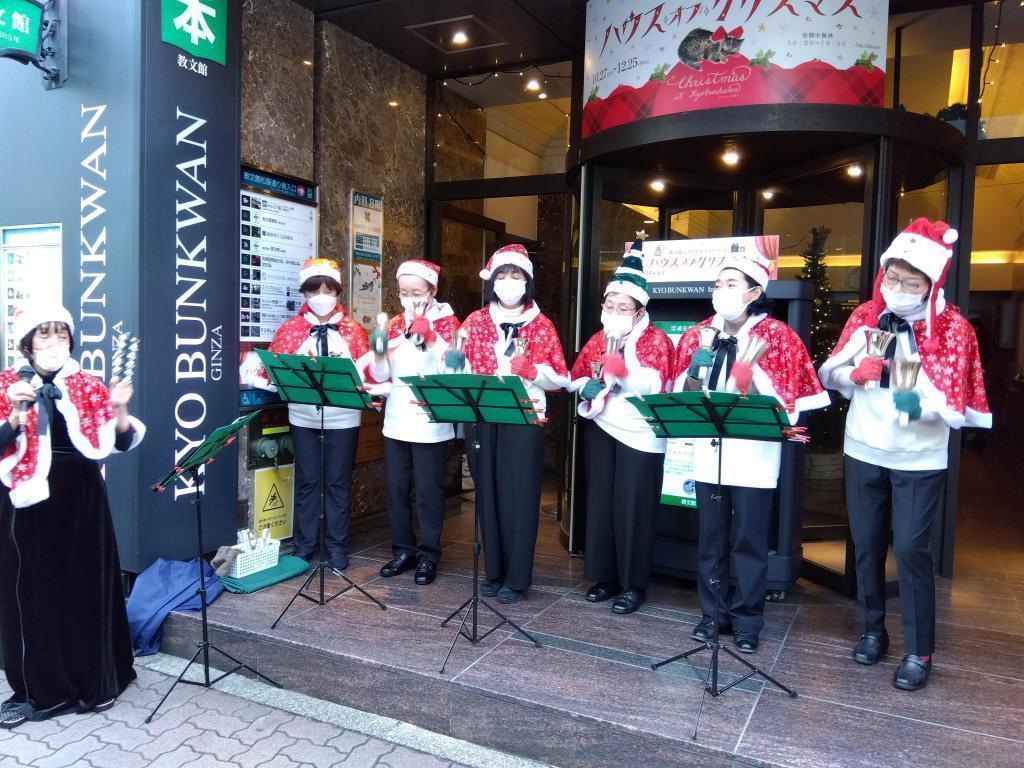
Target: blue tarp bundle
[(165, 586)]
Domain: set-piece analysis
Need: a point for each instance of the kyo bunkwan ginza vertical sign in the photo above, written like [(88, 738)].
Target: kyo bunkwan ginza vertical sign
[(645, 58)]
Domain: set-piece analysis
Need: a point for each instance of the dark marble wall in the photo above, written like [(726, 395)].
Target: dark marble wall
[(277, 88)]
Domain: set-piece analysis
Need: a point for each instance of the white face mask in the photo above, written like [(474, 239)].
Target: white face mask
[(409, 302), (901, 303), (322, 303), (617, 325), (509, 290), (52, 359), (729, 303)]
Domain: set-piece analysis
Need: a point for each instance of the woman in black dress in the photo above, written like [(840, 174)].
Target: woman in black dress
[(62, 615)]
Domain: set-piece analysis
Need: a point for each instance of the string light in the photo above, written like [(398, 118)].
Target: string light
[(996, 45)]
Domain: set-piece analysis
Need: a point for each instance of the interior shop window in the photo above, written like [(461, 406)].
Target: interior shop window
[(25, 254), (510, 122), (700, 223), (619, 224), (1002, 71), (934, 63)]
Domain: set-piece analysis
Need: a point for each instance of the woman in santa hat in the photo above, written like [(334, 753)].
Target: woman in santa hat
[(624, 459), (750, 468), (322, 327), (63, 625), (508, 465), (414, 447), (896, 442)]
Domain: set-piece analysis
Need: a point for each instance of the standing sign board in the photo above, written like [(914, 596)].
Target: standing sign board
[(649, 58), (678, 488), (367, 251)]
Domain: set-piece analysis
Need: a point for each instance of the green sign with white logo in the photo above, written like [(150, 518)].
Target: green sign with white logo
[(20, 29), (198, 27)]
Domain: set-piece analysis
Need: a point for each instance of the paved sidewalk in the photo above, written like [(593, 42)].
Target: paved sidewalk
[(240, 723)]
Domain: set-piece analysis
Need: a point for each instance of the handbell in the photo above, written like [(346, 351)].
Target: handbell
[(753, 350), (521, 345), (877, 343), (418, 308), (458, 345), (611, 344), (905, 377), (595, 369), (706, 337)]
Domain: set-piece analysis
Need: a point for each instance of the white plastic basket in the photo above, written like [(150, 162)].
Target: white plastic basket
[(256, 560)]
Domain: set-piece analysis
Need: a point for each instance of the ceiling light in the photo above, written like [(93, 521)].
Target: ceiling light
[(731, 157), (460, 38), (658, 185), (307, 62), (767, 194), (855, 171), (650, 221), (392, 103), (533, 85), (542, 95)]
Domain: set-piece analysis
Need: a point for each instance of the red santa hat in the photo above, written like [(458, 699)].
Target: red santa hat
[(30, 317), (928, 247), (424, 270), (320, 268), (756, 267), (514, 255)]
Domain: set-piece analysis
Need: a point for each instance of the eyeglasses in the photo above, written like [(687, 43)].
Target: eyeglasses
[(615, 309), (910, 284)]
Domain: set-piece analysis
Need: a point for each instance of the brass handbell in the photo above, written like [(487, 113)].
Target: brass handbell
[(905, 377), (458, 345), (382, 325), (520, 345), (877, 342), (706, 340), (596, 368), (753, 349), (611, 344), (418, 309)]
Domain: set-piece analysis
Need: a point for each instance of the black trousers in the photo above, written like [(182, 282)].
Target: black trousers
[(405, 462), (506, 471), (623, 494), (339, 460), (914, 497), (734, 538)]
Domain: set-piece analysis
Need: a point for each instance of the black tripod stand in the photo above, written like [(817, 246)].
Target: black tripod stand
[(471, 606), (754, 417), (323, 566), (204, 646)]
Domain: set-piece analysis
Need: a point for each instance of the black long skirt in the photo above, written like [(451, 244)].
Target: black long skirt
[(62, 614)]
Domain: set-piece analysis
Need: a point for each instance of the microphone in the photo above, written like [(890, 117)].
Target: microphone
[(25, 373)]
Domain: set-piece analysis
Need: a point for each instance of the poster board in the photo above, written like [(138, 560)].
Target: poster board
[(678, 487), (680, 268), (367, 256)]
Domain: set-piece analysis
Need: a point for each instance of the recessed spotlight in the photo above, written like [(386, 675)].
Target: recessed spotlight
[(392, 103), (650, 221), (460, 38), (533, 85), (542, 95), (855, 171), (731, 157), (767, 194), (307, 62), (658, 185)]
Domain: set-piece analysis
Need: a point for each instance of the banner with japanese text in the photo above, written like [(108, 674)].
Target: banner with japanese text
[(645, 58), (690, 267)]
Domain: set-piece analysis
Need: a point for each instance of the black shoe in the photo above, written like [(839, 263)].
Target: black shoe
[(871, 648), (338, 560), (490, 587), (628, 601), (746, 642), (306, 554), (601, 591), (912, 673), (705, 630), (507, 595), (399, 564), (426, 572), (103, 706)]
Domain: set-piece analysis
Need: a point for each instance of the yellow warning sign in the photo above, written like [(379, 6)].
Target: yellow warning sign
[(273, 500)]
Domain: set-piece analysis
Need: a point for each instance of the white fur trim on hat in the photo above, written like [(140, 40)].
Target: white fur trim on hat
[(632, 290), (320, 268), (754, 268), (424, 270), (514, 255), (921, 253), (35, 314)]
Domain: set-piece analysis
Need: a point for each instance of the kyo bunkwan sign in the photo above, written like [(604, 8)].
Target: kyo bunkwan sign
[(645, 59)]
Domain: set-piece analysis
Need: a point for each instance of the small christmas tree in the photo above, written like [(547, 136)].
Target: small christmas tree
[(816, 273)]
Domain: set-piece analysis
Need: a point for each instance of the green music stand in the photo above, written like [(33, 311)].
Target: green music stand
[(326, 382), (716, 415), (190, 465), (465, 398)]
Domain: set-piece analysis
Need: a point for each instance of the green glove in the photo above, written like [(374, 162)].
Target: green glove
[(454, 360), (909, 403), (702, 358), (379, 342), (592, 389)]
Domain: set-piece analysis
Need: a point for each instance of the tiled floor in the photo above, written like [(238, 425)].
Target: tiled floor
[(587, 697)]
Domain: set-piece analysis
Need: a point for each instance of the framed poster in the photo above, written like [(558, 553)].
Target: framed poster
[(367, 256)]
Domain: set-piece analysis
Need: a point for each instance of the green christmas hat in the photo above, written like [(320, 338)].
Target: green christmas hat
[(629, 277)]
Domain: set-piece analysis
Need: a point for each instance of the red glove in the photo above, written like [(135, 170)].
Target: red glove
[(742, 373), (522, 367), (870, 369), (422, 327), (614, 365)]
